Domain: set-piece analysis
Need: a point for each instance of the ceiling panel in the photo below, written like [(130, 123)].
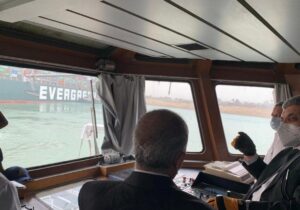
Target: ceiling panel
[(165, 14), (235, 19), (214, 55), (155, 27), (119, 19), (7, 4), (26, 9), (49, 33), (284, 17), (105, 40), (98, 27)]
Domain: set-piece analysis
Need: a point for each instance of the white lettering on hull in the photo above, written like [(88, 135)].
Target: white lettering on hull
[(59, 94), (52, 91), (43, 93), (73, 95), (66, 94)]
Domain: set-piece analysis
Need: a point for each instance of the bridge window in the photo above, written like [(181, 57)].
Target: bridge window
[(47, 113), (177, 97), (247, 109)]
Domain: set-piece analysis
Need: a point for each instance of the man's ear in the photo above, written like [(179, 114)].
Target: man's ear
[(180, 159), (176, 165)]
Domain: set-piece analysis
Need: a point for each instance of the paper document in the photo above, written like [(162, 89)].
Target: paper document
[(229, 170)]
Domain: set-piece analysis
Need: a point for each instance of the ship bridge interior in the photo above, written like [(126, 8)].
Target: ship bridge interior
[(205, 44)]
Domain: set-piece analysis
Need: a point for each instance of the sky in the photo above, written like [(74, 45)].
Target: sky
[(244, 93), (174, 90), (181, 90)]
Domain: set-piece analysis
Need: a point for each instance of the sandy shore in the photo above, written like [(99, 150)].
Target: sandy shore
[(246, 110), (229, 109)]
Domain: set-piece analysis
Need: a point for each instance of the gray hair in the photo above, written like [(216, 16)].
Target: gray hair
[(160, 137), (292, 101)]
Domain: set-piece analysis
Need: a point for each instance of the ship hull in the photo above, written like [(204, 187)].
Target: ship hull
[(15, 91)]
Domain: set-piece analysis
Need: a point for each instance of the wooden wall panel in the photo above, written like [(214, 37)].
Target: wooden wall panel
[(39, 55), (294, 81), (215, 138)]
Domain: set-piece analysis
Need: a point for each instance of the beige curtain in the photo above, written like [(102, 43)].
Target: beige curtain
[(282, 92), (123, 99)]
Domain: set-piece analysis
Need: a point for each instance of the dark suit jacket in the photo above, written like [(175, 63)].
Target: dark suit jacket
[(283, 193), (140, 191)]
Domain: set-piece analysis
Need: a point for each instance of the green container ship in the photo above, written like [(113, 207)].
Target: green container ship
[(29, 86)]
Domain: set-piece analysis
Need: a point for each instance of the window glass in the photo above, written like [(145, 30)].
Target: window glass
[(177, 97), (247, 109), (48, 113)]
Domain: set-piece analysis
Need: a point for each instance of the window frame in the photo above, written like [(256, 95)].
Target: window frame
[(205, 154), (237, 83), (192, 159), (87, 161), (60, 165)]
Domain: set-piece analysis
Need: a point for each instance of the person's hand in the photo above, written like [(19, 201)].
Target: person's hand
[(224, 203), (244, 144)]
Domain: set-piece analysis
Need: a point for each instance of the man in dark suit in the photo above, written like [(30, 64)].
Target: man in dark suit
[(278, 183), (160, 144)]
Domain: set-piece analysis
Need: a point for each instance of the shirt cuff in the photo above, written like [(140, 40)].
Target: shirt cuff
[(251, 160)]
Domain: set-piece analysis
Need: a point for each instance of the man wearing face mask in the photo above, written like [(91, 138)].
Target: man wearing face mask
[(278, 183), (276, 146)]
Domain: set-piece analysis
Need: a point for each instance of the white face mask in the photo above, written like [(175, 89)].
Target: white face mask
[(275, 123), (289, 134)]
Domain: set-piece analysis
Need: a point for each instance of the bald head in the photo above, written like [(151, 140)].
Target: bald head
[(160, 138)]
